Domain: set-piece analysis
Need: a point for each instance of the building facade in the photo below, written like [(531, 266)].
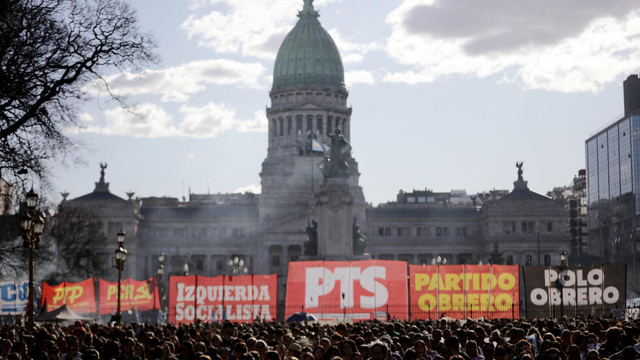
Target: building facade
[(267, 230)]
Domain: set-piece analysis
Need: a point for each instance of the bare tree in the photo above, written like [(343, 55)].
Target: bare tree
[(50, 49), (77, 241)]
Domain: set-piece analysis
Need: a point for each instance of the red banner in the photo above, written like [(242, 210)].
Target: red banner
[(233, 298), (134, 295), (463, 291), (358, 290), (79, 297)]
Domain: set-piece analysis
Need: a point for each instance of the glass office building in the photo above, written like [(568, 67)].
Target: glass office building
[(613, 179)]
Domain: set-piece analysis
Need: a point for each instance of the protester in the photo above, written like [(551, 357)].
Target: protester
[(546, 339)]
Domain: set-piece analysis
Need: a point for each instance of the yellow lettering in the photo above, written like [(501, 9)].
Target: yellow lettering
[(445, 302), (506, 281), (112, 290), (451, 281), (504, 302), (421, 280), (427, 302)]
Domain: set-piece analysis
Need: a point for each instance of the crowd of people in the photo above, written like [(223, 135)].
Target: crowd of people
[(445, 339)]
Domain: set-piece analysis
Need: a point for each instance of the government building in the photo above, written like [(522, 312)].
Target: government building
[(309, 101)]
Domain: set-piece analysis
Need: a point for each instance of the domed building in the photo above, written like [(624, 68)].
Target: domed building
[(199, 235), (308, 103)]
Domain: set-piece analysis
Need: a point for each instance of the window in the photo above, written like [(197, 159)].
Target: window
[(184, 231), (411, 199), (547, 260), (462, 261), (387, 231), (234, 233), (281, 127), (399, 231), (319, 125), (223, 232), (289, 125), (458, 231), (299, 125), (199, 265), (445, 231), (242, 232), (464, 231), (513, 227), (549, 226), (528, 260), (418, 231), (329, 120), (219, 265), (438, 231), (380, 231), (310, 123), (509, 259), (275, 261), (422, 199), (524, 227), (273, 127)]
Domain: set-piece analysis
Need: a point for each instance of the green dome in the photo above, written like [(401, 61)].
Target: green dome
[(308, 58)]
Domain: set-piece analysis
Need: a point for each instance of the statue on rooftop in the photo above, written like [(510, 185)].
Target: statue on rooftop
[(360, 241), (102, 167), (311, 245), (519, 166), (334, 165)]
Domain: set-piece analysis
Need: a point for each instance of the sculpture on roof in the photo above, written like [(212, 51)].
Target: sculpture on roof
[(519, 166), (334, 165), (102, 167), (311, 245), (360, 241)]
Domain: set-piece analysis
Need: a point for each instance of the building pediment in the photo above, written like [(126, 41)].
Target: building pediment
[(311, 106)]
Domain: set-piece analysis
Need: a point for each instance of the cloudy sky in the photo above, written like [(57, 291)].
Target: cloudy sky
[(446, 94)]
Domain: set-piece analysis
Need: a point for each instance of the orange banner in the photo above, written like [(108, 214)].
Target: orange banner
[(79, 297), (464, 291), (358, 290), (134, 295), (234, 298)]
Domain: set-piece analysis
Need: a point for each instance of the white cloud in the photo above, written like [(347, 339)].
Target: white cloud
[(191, 155), (152, 121), (359, 77), (85, 117), (257, 124), (582, 46), (253, 188), (175, 84), (256, 28)]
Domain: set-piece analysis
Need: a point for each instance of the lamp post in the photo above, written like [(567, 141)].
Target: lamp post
[(161, 257), (32, 225), (237, 266), (185, 269), (438, 261), (121, 257), (563, 264)]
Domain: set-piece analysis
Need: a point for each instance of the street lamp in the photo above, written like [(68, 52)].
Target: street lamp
[(237, 266), (185, 269), (563, 258), (121, 257), (32, 225), (438, 261), (161, 257)]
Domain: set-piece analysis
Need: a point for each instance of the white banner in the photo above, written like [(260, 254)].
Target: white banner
[(13, 297)]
